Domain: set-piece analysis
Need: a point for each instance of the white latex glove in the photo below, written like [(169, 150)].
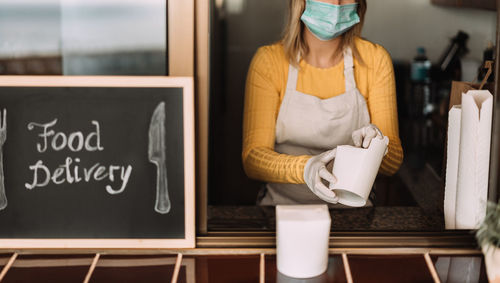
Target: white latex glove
[(362, 137), (315, 170)]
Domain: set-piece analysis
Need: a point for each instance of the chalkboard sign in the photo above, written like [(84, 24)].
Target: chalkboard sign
[(101, 162)]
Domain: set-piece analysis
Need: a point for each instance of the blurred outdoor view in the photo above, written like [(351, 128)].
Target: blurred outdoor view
[(83, 37)]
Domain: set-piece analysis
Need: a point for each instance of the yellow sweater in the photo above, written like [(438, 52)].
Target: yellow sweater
[(265, 89)]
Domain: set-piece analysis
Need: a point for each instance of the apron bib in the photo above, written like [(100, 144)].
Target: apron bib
[(310, 125)]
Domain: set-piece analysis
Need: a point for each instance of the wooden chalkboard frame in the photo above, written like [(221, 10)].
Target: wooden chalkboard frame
[(186, 83)]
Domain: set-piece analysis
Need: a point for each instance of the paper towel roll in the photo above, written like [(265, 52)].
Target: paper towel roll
[(452, 156), (458, 269), (473, 167), (442, 266), (464, 269)]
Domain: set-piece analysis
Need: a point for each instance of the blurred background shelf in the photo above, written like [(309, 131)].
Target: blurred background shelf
[(480, 4)]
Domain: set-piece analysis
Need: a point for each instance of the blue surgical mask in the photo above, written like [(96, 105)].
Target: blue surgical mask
[(327, 21)]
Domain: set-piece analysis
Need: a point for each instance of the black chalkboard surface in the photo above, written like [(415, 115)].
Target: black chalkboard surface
[(97, 162)]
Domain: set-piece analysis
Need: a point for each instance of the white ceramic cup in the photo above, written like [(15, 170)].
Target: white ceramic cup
[(355, 169)]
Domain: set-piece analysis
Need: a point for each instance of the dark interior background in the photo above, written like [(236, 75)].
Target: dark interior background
[(239, 27)]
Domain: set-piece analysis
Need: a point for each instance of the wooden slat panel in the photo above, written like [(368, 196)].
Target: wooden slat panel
[(226, 268), (152, 269), (7, 266), (334, 273), (4, 259), (389, 268), (347, 268), (262, 269), (49, 268), (431, 267), (177, 268), (242, 268)]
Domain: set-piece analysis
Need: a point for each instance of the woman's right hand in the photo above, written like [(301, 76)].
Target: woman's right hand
[(315, 170)]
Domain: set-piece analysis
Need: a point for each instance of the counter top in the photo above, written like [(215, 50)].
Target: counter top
[(261, 218)]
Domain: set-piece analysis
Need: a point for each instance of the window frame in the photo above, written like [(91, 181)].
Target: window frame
[(455, 239)]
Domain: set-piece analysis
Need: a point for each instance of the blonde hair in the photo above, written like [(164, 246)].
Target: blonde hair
[(293, 38)]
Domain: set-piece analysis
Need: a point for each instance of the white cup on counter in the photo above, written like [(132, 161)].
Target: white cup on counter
[(302, 238)]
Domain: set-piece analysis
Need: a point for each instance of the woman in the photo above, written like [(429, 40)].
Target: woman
[(319, 87)]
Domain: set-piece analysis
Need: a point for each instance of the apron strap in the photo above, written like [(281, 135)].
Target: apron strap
[(350, 82)]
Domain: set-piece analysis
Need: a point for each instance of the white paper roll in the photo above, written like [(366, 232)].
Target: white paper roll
[(464, 269), (458, 269), (452, 156), (302, 236), (473, 167)]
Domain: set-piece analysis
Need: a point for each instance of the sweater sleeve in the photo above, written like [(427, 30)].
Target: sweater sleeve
[(383, 109), (262, 101)]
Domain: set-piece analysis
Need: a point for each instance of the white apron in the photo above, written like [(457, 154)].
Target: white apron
[(308, 125)]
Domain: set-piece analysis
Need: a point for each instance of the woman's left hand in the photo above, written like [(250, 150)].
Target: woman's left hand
[(362, 137)]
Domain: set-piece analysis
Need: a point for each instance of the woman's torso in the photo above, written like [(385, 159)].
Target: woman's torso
[(308, 124)]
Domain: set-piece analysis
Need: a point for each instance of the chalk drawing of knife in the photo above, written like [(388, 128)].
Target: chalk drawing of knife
[(157, 155)]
